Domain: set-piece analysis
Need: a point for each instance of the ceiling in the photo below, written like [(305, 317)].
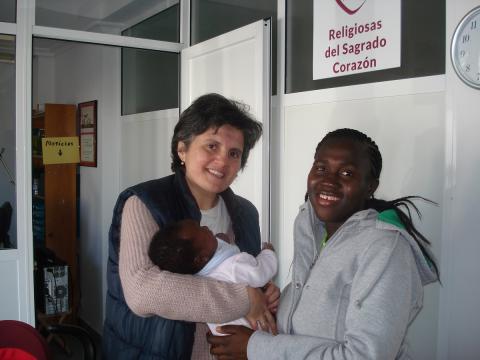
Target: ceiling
[(105, 16), (86, 14), (89, 15)]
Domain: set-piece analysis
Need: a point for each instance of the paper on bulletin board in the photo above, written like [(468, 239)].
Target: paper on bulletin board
[(355, 36), (60, 150)]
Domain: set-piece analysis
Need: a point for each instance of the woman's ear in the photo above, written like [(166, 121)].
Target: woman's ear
[(181, 150), (372, 187)]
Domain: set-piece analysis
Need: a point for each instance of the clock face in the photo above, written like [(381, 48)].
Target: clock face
[(465, 50)]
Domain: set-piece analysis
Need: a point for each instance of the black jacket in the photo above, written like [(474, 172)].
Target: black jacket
[(128, 336)]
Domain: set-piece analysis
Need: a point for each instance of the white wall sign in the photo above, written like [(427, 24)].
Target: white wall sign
[(355, 36)]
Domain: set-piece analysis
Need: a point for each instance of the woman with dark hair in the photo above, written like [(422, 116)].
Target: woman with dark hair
[(358, 271), (156, 314)]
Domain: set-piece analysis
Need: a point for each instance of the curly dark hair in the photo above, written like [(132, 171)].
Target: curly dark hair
[(171, 252), (213, 111)]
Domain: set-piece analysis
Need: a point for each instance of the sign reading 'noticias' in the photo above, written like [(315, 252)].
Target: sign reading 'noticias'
[(60, 150)]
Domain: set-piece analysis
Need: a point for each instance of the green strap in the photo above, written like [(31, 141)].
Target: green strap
[(390, 216)]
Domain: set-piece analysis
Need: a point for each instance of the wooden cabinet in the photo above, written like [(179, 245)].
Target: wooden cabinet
[(56, 186)]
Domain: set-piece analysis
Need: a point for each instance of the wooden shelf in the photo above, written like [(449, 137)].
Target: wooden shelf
[(37, 161), (59, 182), (38, 121)]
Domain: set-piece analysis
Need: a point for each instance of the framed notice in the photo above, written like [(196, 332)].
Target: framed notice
[(87, 117)]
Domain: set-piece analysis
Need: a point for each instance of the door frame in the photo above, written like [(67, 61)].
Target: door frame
[(24, 30), (260, 33)]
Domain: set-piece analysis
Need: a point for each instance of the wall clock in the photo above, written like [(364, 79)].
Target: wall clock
[(465, 48)]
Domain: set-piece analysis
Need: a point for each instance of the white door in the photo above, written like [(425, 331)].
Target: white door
[(237, 65)]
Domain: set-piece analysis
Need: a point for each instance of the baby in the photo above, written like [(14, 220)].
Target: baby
[(185, 247)]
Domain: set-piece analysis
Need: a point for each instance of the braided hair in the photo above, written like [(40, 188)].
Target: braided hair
[(375, 160)]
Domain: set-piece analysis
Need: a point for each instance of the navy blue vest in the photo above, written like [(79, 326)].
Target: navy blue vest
[(128, 336)]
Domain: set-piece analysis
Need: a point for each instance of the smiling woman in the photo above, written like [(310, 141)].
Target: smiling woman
[(210, 144), (359, 267)]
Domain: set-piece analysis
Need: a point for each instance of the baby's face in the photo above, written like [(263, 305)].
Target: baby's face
[(204, 242)]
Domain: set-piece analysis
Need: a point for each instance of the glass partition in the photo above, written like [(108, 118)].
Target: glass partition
[(109, 17), (8, 226), (164, 26), (8, 11), (422, 46), (149, 80)]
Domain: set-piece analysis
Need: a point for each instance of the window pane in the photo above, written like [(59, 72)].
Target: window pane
[(423, 46), (113, 17), (8, 11), (162, 26), (149, 80), (211, 18), (8, 225)]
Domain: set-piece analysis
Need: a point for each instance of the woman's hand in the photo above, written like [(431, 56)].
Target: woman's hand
[(259, 317), (272, 293), (233, 346)]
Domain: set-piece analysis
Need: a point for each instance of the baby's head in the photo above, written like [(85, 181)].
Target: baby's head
[(183, 247)]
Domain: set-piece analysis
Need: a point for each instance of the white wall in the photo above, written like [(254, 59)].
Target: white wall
[(459, 316), (43, 81), (82, 73)]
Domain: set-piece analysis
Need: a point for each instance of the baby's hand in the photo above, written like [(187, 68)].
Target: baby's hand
[(224, 237), (267, 245)]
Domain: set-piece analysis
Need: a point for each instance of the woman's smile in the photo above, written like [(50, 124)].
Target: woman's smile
[(327, 199), (216, 173)]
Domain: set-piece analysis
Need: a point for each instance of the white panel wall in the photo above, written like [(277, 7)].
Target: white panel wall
[(43, 81), (459, 316), (409, 131), (145, 150)]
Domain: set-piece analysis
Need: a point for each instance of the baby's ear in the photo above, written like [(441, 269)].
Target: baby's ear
[(199, 261)]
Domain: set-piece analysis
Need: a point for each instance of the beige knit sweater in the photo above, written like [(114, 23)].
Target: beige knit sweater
[(150, 291)]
